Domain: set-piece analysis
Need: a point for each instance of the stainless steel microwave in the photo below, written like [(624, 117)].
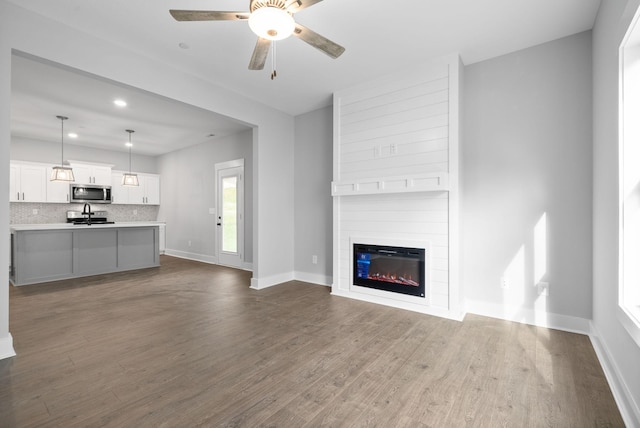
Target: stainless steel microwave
[(90, 193)]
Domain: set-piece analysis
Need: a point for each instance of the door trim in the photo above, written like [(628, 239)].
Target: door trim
[(237, 163)]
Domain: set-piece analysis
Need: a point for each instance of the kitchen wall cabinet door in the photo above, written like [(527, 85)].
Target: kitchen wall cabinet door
[(91, 174), (14, 183), (27, 182), (119, 193), (148, 192), (152, 189), (57, 191)]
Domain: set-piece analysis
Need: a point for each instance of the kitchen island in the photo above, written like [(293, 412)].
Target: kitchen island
[(51, 252)]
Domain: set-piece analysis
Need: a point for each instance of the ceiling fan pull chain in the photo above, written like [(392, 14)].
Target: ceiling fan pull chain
[(273, 60)]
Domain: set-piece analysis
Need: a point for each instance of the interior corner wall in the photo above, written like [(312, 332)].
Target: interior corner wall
[(313, 161), (526, 184), (618, 350), (188, 191)]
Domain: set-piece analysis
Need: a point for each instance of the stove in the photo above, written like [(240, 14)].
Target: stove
[(79, 218)]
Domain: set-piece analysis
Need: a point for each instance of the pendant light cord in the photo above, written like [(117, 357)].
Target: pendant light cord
[(273, 60), (62, 119), (62, 143), (130, 131)]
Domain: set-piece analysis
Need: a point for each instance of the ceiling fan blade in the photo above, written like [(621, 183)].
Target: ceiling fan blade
[(260, 53), (295, 6), (207, 15), (332, 49)]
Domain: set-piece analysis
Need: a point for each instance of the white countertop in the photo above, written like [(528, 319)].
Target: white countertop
[(64, 226)]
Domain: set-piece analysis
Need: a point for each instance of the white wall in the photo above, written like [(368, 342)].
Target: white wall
[(313, 158), (47, 152), (526, 153), (6, 342), (272, 143), (188, 190), (395, 180), (615, 346)]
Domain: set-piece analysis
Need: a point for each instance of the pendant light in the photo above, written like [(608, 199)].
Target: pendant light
[(129, 179), (62, 173)]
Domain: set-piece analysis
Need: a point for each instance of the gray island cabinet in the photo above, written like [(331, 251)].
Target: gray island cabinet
[(50, 252)]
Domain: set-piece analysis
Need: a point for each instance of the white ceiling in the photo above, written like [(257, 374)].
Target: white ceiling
[(42, 91), (379, 36)]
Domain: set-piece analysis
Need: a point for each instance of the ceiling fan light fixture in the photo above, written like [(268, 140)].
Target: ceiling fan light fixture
[(272, 23)]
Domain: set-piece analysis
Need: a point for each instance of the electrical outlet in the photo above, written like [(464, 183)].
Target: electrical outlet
[(543, 288), (135, 212), (503, 282), (189, 243), (35, 211), (314, 259)]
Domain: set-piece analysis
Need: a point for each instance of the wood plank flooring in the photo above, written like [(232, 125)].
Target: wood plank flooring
[(190, 345)]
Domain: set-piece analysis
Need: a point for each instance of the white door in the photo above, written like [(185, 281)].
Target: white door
[(230, 212)]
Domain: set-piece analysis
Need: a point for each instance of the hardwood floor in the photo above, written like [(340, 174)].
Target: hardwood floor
[(190, 345)]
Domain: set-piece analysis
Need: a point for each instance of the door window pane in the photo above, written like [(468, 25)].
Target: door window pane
[(230, 214)]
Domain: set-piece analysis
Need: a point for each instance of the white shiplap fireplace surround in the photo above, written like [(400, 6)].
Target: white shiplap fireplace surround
[(395, 179)]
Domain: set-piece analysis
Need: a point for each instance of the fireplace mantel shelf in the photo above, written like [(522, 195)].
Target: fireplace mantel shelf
[(429, 182)]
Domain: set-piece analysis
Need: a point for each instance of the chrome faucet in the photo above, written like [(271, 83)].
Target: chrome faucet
[(87, 212)]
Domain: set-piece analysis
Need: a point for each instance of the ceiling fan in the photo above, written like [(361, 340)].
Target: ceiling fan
[(270, 20)]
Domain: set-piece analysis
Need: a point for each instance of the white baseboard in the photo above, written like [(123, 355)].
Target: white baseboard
[(203, 258), (6, 347), (629, 409), (531, 317), (192, 256), (313, 278), (261, 283), (270, 281)]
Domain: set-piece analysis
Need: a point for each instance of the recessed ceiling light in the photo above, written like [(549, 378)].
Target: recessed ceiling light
[(72, 135), (120, 103), (128, 144)]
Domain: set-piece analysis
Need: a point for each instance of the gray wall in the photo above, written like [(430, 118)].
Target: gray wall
[(526, 152), (49, 152), (622, 352), (313, 166), (188, 182)]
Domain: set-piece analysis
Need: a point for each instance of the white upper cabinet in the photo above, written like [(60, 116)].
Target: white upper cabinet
[(147, 193), (119, 193), (152, 189), (87, 173), (27, 182)]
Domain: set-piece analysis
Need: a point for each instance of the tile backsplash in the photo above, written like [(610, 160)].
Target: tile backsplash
[(42, 213)]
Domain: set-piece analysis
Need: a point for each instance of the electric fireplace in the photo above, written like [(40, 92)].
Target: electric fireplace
[(395, 269)]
